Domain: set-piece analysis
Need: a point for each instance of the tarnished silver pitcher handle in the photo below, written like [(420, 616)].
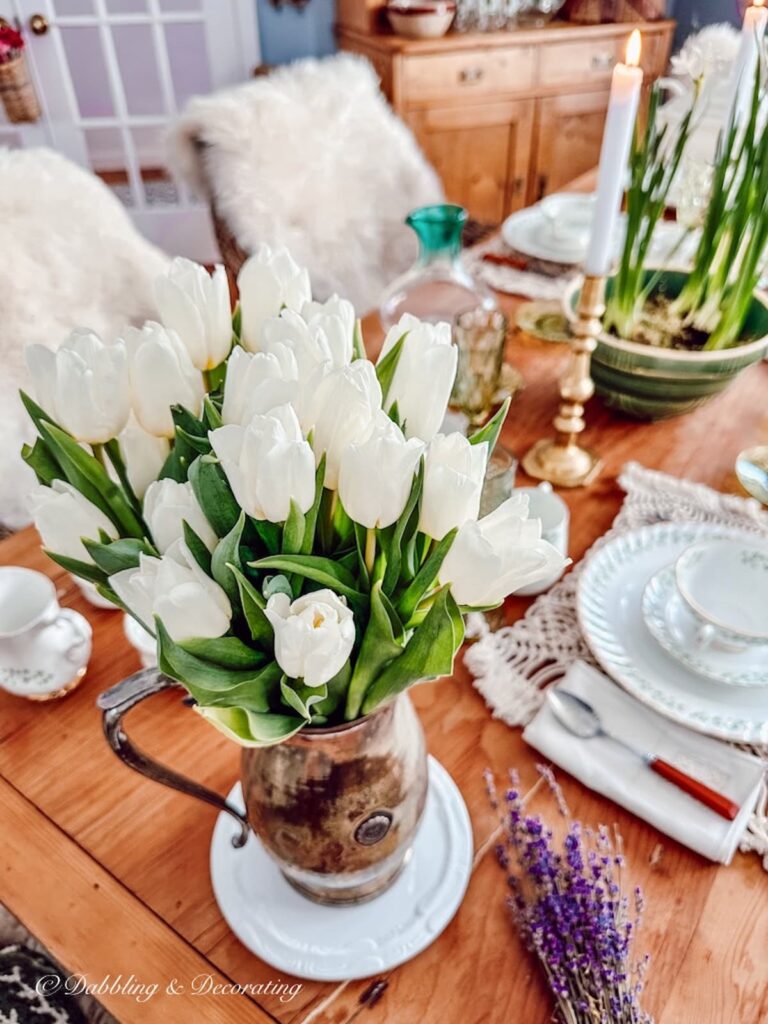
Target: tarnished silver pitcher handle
[(119, 700)]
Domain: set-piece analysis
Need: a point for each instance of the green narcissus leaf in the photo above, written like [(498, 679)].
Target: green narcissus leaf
[(39, 458), (385, 368), (382, 641), (214, 494), (91, 573), (428, 654), (293, 531), (324, 571), (251, 729), (425, 577), (119, 554), (302, 698), (490, 432), (225, 555), (227, 651), (197, 548), (253, 608)]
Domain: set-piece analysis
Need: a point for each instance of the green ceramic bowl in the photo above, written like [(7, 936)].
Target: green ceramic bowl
[(651, 383)]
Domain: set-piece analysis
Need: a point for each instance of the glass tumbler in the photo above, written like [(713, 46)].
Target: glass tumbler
[(479, 335)]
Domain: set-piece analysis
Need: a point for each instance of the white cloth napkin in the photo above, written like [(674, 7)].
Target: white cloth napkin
[(610, 769)]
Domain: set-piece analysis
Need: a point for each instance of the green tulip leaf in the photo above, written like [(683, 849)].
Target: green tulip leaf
[(225, 555), (198, 549), (490, 432), (91, 573), (119, 554), (253, 608), (325, 571), (293, 531), (212, 414), (214, 494), (428, 654), (310, 517), (197, 445), (227, 651), (277, 584), (405, 528), (337, 690), (382, 641), (39, 458), (250, 729), (386, 367), (358, 344), (425, 578), (270, 535), (302, 698)]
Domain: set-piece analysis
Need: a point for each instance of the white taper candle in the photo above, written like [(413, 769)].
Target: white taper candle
[(743, 78)]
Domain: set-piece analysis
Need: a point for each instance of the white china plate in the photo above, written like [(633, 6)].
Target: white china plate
[(675, 629), (321, 943), (527, 231), (609, 608)]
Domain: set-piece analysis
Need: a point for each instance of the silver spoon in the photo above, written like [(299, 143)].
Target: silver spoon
[(583, 721)]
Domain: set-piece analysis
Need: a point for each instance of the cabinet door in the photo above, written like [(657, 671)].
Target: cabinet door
[(570, 132), (481, 153)]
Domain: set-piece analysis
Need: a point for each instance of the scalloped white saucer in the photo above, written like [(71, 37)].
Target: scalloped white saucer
[(320, 943)]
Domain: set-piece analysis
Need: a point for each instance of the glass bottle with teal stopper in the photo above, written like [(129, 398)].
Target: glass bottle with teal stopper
[(437, 286)]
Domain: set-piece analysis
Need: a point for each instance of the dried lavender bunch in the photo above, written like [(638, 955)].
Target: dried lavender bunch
[(569, 908)]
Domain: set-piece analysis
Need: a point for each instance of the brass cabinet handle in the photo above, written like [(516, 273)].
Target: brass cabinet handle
[(473, 74), (38, 24)]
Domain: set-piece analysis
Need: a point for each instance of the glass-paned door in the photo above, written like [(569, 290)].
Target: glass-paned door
[(111, 74)]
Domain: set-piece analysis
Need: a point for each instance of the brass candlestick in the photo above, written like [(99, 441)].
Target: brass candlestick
[(560, 460)]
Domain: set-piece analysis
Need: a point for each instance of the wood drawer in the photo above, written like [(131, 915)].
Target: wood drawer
[(451, 76), (580, 63)]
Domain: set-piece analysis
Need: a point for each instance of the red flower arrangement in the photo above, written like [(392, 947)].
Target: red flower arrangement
[(11, 44)]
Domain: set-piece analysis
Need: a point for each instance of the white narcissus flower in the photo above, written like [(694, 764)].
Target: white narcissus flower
[(424, 377), (167, 506), (267, 463), (268, 281), (336, 318), (454, 471), (195, 304), (83, 386), (308, 342), (258, 382), (375, 476), (494, 556), (162, 374), (187, 601), (143, 454), (314, 635), (63, 517), (340, 407)]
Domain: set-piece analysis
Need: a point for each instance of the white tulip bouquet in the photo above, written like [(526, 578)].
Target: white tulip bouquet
[(281, 513)]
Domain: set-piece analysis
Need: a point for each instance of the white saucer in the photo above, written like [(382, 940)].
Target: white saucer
[(609, 609), (321, 943), (528, 232), (675, 629)]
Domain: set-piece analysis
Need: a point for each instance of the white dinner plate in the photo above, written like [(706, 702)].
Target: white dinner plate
[(609, 608), (529, 232), (322, 943)]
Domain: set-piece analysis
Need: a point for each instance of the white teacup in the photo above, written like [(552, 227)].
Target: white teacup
[(569, 218), (44, 649), (724, 584), (550, 508)]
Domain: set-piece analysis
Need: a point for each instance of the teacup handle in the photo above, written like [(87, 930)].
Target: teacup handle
[(706, 636), (115, 703)]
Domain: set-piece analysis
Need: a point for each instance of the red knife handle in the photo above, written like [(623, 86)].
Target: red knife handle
[(693, 787)]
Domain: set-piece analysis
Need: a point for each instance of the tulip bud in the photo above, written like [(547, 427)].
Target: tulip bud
[(424, 377), (340, 407), (257, 383), (162, 375), (143, 454), (454, 471), (174, 588), (308, 341), (314, 635), (375, 477), (195, 304), (496, 555), (63, 517), (83, 386), (268, 281), (267, 464), (167, 506)]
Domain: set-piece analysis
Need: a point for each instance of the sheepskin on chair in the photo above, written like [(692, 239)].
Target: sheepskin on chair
[(70, 258), (312, 157)]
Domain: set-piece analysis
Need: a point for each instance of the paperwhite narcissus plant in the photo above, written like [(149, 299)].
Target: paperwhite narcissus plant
[(286, 519)]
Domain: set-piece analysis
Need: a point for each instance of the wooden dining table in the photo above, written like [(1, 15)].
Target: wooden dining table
[(110, 871)]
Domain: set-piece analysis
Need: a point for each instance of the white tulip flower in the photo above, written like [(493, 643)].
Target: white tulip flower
[(143, 454), (314, 635), (267, 463), (268, 281), (310, 344), (454, 471), (258, 382), (336, 318), (187, 601), (340, 407), (376, 475), (162, 374), (496, 555), (424, 377), (83, 386), (167, 506), (63, 517), (195, 304)]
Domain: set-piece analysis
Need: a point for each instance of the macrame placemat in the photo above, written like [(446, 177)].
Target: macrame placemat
[(513, 666)]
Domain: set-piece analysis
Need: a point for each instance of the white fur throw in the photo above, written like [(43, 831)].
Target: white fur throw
[(312, 157), (70, 258)]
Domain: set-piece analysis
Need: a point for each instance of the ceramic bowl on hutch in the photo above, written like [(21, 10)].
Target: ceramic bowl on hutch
[(421, 19), (655, 383)]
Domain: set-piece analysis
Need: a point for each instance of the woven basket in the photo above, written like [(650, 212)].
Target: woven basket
[(17, 91)]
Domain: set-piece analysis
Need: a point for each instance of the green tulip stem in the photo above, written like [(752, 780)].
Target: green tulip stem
[(100, 454), (370, 550)]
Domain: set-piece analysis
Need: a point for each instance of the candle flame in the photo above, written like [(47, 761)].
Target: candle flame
[(633, 48)]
